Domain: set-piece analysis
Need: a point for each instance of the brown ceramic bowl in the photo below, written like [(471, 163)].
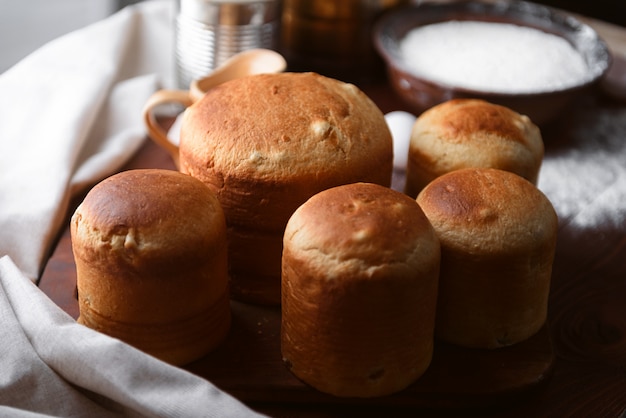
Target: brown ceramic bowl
[(421, 93)]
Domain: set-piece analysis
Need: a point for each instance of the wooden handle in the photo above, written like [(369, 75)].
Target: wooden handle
[(156, 131)]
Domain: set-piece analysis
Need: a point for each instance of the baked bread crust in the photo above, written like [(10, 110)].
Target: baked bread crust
[(150, 251), (359, 289), (265, 144), (498, 238), (464, 133)]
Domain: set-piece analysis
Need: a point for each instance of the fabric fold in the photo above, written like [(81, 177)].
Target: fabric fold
[(75, 371), (70, 115)]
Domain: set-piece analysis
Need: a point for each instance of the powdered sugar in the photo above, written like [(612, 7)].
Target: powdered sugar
[(493, 57), (586, 181)]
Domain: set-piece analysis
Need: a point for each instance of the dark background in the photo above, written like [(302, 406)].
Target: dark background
[(613, 11)]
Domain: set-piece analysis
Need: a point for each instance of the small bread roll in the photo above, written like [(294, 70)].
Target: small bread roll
[(498, 237), (359, 280), (464, 133), (265, 144), (150, 251)]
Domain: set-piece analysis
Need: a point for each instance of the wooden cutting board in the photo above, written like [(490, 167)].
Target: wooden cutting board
[(248, 365)]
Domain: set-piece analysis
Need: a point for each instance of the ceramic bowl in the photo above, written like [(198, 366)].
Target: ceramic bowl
[(421, 93)]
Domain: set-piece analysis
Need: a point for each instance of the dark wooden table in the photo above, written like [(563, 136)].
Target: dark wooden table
[(581, 355)]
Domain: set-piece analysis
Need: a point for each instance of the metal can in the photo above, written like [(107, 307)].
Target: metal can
[(208, 32)]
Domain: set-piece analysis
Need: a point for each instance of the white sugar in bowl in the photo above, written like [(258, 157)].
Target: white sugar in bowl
[(529, 57)]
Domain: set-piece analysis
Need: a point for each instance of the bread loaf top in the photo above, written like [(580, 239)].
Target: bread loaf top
[(150, 218), (479, 210)]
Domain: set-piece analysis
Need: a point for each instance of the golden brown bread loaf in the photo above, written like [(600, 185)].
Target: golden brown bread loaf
[(464, 133), (265, 144), (150, 251), (498, 237), (359, 289)]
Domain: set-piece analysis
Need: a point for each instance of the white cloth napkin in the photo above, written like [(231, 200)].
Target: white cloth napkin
[(70, 115)]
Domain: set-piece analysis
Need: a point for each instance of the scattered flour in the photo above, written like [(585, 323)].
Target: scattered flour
[(494, 57)]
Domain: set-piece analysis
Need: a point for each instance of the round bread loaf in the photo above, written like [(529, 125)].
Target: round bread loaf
[(464, 133), (265, 144), (359, 289), (498, 237), (151, 260)]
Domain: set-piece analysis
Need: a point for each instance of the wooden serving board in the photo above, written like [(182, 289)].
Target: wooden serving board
[(248, 365)]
